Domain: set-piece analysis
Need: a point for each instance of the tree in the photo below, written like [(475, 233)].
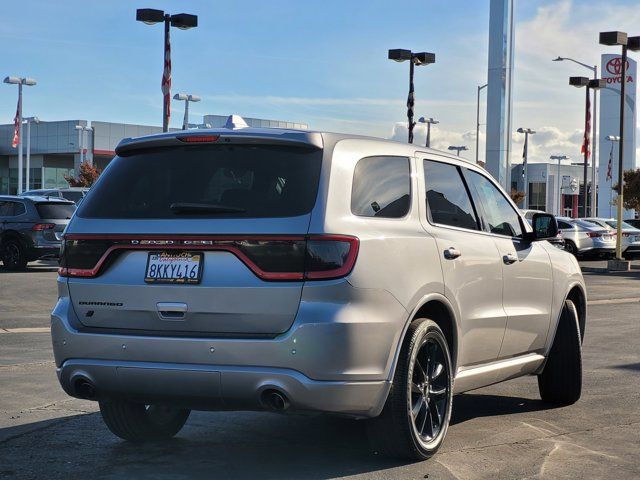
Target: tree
[(631, 189), (517, 196), (87, 176)]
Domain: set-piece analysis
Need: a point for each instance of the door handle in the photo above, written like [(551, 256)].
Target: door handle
[(510, 258), (451, 253)]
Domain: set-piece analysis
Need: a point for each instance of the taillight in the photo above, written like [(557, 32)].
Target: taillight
[(314, 257), (38, 227), (593, 234), (625, 234)]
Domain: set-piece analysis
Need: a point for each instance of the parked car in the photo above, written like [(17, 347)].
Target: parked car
[(630, 234), (281, 270), (634, 222), (582, 237), (75, 194), (31, 228)]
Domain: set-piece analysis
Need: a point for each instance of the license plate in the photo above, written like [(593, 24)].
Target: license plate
[(178, 267)]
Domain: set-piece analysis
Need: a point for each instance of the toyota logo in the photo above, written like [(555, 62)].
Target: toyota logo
[(614, 66)]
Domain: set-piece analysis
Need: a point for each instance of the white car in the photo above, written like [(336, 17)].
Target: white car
[(630, 234)]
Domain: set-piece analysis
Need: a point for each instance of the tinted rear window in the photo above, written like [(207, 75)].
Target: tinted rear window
[(73, 195), (258, 181), (55, 211)]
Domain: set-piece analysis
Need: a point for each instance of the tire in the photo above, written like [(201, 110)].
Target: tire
[(570, 247), (561, 380), (14, 256), (142, 423), (399, 431)]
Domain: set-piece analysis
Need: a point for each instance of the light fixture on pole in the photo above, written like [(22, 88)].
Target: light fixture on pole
[(593, 84), (29, 121), (525, 165), (187, 98), (559, 158), (480, 87), (183, 21), (457, 148), (17, 134), (627, 43), (422, 58), (81, 143), (594, 134), (428, 122)]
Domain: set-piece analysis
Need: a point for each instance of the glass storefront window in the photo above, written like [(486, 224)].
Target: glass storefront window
[(54, 177)]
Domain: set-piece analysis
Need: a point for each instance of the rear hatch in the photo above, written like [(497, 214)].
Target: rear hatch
[(54, 217), (197, 240)]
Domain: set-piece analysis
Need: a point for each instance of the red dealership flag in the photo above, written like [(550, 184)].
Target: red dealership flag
[(166, 78), (587, 126), (16, 127)]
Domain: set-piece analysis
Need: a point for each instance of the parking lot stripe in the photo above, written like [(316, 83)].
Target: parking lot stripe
[(609, 301), (26, 330)]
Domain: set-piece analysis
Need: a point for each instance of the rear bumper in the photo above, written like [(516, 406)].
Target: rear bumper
[(336, 357), (210, 387)]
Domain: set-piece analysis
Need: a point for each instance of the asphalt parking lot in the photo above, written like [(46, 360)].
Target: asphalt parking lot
[(502, 432)]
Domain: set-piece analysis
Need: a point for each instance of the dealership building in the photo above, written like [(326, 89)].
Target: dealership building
[(55, 147), (563, 198)]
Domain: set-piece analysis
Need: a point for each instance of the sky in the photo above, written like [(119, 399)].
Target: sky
[(321, 63)]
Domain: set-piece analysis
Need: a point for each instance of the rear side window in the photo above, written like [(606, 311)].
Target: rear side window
[(381, 187), (565, 226), (212, 181), (55, 211), (447, 197), (12, 209)]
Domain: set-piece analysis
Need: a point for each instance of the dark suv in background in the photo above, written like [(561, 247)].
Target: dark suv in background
[(31, 228)]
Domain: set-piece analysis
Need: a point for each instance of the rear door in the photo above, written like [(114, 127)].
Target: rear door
[(526, 270), (232, 218), (470, 262)]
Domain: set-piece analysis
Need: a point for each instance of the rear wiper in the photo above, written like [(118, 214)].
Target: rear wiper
[(182, 207)]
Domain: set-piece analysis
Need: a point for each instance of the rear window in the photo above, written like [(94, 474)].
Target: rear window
[(55, 211), (228, 181), (73, 195)]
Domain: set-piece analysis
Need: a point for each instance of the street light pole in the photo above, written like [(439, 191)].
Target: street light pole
[(480, 87), (20, 81), (559, 158), (81, 143), (525, 163), (458, 148), (428, 122), (594, 135), (187, 98), (183, 21), (631, 43), (422, 58), (28, 121)]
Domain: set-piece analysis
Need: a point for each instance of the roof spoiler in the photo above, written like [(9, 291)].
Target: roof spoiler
[(241, 136)]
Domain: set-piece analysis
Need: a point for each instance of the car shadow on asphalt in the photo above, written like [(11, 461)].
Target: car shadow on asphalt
[(36, 267), (252, 445), (468, 406)]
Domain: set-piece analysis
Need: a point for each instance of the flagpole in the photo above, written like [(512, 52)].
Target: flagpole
[(20, 179), (166, 75), (585, 148)]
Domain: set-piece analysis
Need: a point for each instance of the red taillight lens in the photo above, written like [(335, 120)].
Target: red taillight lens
[(38, 227), (317, 257), (330, 256), (625, 234), (199, 138), (593, 234)]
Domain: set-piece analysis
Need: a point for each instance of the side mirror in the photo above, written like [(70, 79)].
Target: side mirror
[(544, 226)]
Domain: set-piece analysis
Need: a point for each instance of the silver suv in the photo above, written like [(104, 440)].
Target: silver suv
[(253, 269)]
